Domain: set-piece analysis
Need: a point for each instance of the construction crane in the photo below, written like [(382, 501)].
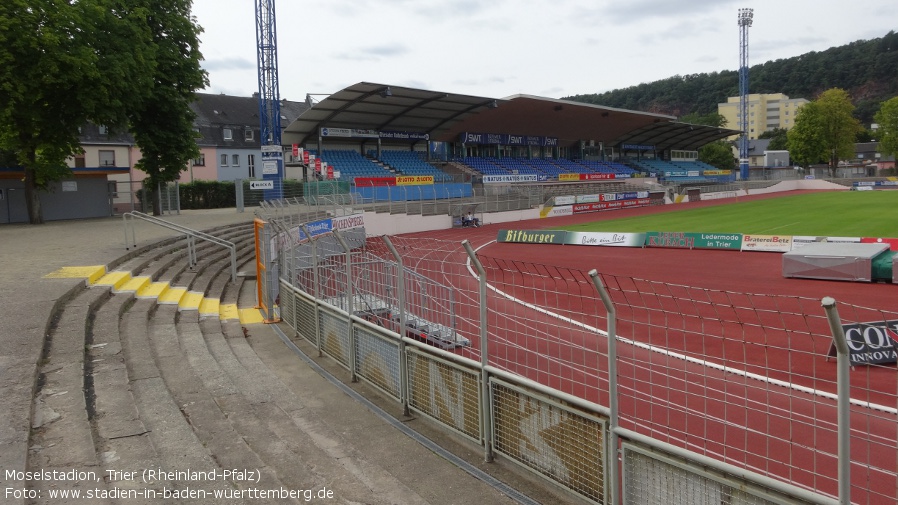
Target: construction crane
[(269, 100)]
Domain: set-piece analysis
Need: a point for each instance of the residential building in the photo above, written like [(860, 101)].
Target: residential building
[(230, 147), (765, 112)]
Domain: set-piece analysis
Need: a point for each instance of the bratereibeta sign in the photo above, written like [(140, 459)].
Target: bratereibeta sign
[(872, 343), (771, 243), (533, 236)]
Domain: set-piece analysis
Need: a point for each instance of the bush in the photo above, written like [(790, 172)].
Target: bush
[(208, 195), (222, 194)]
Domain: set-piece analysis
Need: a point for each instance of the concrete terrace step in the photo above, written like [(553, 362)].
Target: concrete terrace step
[(62, 437), (218, 411), (100, 398), (196, 384), (185, 297)]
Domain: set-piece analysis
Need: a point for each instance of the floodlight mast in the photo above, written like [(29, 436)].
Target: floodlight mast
[(269, 99), (745, 20)]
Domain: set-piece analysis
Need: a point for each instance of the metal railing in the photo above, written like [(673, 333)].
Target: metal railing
[(610, 413), (190, 236)]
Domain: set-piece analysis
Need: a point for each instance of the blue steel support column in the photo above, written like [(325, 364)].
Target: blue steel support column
[(745, 19), (269, 99)]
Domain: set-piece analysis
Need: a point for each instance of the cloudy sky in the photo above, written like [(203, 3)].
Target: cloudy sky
[(500, 48)]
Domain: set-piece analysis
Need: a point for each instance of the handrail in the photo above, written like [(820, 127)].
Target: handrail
[(188, 232)]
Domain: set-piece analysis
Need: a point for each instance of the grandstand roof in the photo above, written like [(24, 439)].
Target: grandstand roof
[(444, 116)]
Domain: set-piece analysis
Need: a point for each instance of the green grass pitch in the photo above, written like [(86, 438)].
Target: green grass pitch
[(834, 214)]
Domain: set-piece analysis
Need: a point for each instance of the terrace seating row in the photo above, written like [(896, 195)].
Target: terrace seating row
[(550, 168), (410, 163), (351, 164)]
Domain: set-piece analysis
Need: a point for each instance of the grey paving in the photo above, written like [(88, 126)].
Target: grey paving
[(282, 415)]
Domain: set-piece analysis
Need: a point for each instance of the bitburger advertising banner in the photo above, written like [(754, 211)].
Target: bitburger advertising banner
[(532, 236), (872, 343)]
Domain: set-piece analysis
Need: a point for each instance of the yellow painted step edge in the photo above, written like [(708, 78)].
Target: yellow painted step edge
[(135, 285), (172, 296), (210, 307), (91, 273), (152, 290), (114, 279), (191, 300)]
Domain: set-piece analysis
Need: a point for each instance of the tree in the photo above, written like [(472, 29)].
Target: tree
[(710, 119), (162, 124), (718, 154), (824, 130), (804, 140), (63, 64), (887, 118), (778, 139)]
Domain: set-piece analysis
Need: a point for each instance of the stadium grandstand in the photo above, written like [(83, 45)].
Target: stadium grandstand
[(369, 133)]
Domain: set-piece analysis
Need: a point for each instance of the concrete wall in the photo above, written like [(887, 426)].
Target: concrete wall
[(393, 224), (12, 201), (75, 198)]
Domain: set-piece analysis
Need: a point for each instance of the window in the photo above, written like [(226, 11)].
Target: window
[(102, 130), (235, 160), (224, 160), (228, 134), (247, 134), (251, 163), (107, 158), (201, 161), (787, 113)]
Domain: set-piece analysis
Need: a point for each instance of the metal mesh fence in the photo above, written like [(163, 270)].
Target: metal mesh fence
[(441, 296), (305, 318), (377, 360), (651, 478), (335, 336), (740, 378), (743, 379), (544, 322), (565, 445), (287, 304), (446, 392)]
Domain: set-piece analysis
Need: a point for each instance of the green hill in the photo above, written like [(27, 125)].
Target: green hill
[(867, 69)]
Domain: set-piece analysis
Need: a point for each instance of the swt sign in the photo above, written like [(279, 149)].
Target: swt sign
[(871, 343)]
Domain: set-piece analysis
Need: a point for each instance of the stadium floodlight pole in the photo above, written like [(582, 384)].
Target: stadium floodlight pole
[(745, 19)]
